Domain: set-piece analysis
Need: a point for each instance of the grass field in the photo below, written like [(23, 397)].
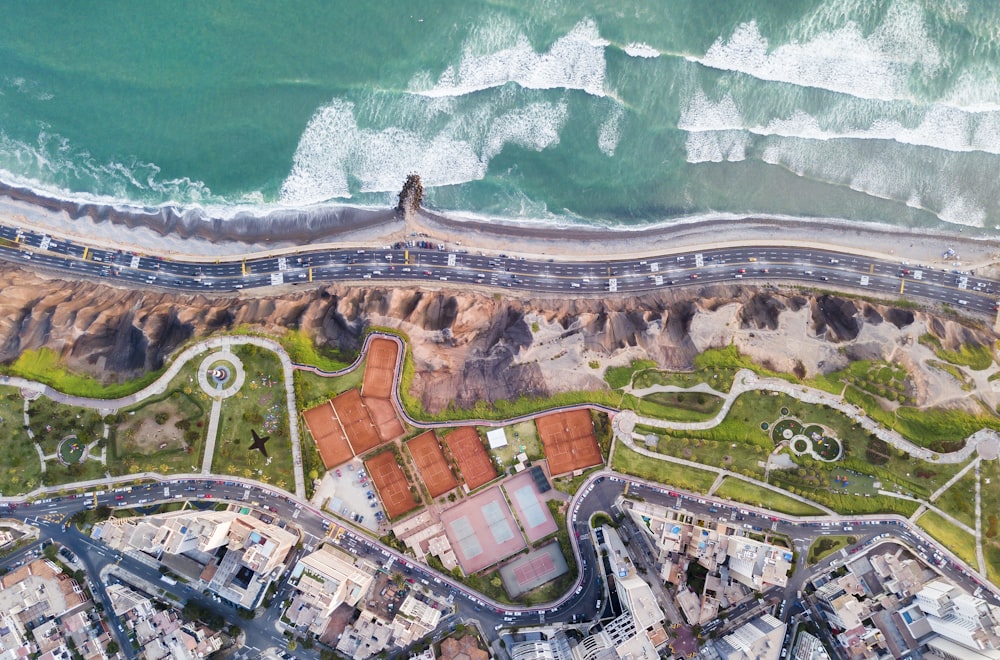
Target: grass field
[(720, 379), (742, 491), (680, 406), (741, 458), (618, 377), (45, 366), (664, 472), (259, 406), (164, 435), (21, 471), (960, 500), (951, 537), (312, 390), (303, 350), (51, 422), (522, 434), (976, 358), (990, 493), (824, 546)]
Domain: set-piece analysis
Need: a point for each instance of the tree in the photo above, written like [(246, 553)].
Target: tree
[(111, 648)]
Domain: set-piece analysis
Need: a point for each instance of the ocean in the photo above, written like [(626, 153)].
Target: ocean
[(613, 113)]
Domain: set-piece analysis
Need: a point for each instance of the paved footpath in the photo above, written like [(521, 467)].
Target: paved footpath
[(747, 381), (160, 385)]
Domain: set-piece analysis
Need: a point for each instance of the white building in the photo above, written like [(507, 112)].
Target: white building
[(758, 639), (497, 438)]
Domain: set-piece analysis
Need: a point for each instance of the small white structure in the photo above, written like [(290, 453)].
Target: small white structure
[(497, 438)]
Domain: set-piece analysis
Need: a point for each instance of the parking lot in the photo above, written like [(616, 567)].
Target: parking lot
[(348, 493)]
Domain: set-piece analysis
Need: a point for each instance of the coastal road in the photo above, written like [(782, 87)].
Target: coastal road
[(399, 264)]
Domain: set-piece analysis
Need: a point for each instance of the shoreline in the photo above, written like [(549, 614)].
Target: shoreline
[(194, 233)]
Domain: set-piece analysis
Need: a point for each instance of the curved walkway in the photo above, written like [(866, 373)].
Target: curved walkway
[(625, 422), (159, 386), (748, 381), (745, 381)]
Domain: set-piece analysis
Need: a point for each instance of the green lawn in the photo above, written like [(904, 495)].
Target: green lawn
[(720, 379), (680, 406), (22, 470), (990, 503), (976, 358), (164, 435), (303, 350), (742, 491), (664, 472), (824, 546), (45, 366), (51, 422), (960, 500), (312, 390), (741, 458), (618, 377), (951, 537), (522, 434), (260, 406)]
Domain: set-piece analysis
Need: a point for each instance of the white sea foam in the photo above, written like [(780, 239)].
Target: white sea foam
[(54, 166), (575, 61), (946, 194), (638, 49), (842, 60), (703, 114), (716, 146), (333, 151), (959, 210), (610, 132), (941, 127)]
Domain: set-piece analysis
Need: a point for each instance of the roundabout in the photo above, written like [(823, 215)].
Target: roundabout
[(221, 374)]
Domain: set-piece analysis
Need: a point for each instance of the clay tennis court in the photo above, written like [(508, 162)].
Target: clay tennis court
[(536, 519), (474, 464), (357, 423), (330, 440), (383, 416), (431, 464), (379, 370), (533, 569), (390, 484), (482, 530), (569, 441)]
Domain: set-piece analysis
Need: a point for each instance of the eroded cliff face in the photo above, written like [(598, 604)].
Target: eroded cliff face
[(468, 345)]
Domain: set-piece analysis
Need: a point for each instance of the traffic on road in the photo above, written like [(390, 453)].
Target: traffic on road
[(429, 264)]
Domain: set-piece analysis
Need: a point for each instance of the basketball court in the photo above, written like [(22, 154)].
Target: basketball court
[(474, 464), (380, 368), (431, 464), (533, 569), (361, 433), (536, 519), (569, 441), (329, 437), (390, 484), (482, 530)]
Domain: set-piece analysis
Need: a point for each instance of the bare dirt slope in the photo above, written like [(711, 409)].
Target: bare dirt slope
[(471, 345)]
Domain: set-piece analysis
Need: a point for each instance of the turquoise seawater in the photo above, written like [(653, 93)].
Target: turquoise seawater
[(593, 111)]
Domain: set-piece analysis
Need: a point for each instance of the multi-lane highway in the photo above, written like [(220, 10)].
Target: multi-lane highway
[(822, 269)]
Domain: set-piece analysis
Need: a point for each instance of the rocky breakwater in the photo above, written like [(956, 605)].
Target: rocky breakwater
[(470, 346)]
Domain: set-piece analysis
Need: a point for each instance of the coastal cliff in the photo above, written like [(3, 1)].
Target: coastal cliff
[(472, 345)]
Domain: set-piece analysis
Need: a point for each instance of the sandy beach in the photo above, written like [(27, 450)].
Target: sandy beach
[(191, 233)]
